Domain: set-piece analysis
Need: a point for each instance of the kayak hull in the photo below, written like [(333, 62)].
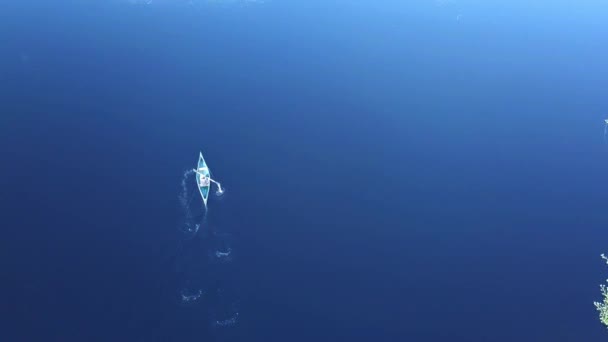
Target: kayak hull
[(204, 170)]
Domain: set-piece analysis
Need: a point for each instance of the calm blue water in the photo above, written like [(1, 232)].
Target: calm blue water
[(394, 172)]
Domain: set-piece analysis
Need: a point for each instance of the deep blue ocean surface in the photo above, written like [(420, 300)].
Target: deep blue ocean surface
[(395, 170)]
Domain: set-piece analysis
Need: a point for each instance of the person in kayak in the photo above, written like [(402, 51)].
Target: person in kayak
[(204, 180)]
